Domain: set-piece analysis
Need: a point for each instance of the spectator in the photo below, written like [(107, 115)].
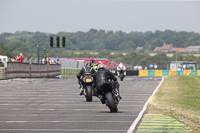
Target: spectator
[(20, 58)]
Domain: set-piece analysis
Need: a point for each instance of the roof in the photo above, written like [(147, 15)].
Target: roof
[(193, 47), (178, 49), (167, 47), (157, 49)]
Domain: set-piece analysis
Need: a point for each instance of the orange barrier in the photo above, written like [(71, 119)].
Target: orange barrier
[(172, 72), (158, 72), (198, 72), (187, 72), (143, 73)]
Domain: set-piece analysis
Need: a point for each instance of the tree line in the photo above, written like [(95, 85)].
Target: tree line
[(80, 44)]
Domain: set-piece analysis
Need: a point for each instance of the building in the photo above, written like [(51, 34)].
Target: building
[(164, 48), (139, 48), (192, 49), (183, 65), (168, 48)]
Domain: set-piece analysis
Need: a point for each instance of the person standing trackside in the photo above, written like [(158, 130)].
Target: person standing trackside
[(20, 58)]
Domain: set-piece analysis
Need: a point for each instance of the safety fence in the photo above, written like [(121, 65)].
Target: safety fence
[(168, 72), (69, 73), (2, 72)]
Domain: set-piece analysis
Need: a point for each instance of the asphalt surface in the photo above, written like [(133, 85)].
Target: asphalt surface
[(54, 106)]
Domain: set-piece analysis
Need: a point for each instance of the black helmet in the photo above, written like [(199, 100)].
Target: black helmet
[(92, 62)]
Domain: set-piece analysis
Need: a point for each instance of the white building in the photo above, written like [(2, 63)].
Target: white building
[(183, 65), (192, 49)]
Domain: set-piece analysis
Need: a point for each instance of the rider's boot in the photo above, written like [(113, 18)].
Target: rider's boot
[(81, 90), (102, 99)]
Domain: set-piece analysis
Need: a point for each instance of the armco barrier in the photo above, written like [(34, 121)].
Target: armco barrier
[(26, 70)]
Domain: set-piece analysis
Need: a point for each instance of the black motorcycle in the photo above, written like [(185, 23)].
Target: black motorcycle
[(121, 75), (88, 88), (109, 96)]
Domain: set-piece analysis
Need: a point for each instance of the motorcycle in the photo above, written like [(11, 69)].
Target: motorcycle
[(88, 88), (109, 96), (121, 75)]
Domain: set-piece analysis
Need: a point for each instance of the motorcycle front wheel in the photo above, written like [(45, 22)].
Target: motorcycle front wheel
[(111, 103), (121, 76)]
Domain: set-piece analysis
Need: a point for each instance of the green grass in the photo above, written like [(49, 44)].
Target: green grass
[(179, 97)]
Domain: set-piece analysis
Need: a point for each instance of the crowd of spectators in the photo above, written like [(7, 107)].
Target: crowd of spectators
[(18, 58), (50, 60)]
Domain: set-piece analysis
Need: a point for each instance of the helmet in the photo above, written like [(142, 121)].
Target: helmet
[(92, 62), (101, 66)]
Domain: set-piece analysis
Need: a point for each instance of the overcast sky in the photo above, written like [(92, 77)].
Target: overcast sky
[(53, 16)]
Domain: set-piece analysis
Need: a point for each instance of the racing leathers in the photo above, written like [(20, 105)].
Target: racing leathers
[(103, 76), (87, 70), (121, 67)]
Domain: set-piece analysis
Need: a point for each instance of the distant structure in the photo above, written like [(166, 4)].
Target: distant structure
[(139, 49), (191, 49), (183, 65), (168, 48)]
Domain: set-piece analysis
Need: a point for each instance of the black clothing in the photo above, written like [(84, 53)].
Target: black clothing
[(87, 70), (103, 77)]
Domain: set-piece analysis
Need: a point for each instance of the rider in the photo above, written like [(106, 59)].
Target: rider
[(103, 76), (121, 67), (94, 65), (88, 69)]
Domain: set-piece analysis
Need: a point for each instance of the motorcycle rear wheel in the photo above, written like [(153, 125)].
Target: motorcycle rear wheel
[(88, 95), (111, 103)]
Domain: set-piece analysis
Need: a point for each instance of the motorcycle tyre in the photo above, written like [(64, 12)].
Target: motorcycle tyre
[(121, 76), (111, 103), (88, 95)]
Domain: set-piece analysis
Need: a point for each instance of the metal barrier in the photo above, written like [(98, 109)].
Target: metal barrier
[(69, 73), (30, 70), (2, 73)]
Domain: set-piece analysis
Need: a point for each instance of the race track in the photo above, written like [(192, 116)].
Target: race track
[(54, 106)]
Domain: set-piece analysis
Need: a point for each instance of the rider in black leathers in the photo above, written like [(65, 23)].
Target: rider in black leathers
[(103, 76), (89, 70)]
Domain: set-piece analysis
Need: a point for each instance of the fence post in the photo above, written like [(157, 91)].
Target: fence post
[(47, 69), (30, 70), (5, 73)]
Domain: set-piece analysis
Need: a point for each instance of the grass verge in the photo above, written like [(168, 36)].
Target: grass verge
[(179, 97)]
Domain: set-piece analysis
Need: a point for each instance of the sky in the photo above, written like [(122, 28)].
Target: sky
[(53, 16)]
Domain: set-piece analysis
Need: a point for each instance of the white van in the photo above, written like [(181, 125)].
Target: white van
[(3, 59)]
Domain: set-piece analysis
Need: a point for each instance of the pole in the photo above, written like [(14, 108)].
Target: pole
[(37, 54)]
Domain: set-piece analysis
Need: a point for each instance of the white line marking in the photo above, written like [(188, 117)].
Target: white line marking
[(132, 127)]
